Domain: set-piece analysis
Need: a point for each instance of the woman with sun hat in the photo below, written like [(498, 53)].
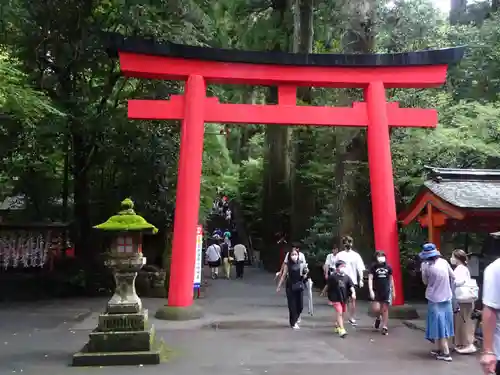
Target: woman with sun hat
[(438, 276)]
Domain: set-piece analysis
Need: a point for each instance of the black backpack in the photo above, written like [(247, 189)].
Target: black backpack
[(225, 250)]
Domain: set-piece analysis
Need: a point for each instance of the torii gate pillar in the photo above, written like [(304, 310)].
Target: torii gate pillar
[(188, 193), (385, 227)]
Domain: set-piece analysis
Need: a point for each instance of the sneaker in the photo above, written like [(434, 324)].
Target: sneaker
[(296, 326), (342, 332), (376, 325), (353, 322), (467, 350), (385, 331), (444, 357), (435, 353), (336, 329), (299, 320)]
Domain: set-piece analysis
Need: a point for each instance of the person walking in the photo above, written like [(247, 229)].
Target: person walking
[(339, 288), (438, 276), (213, 256), (294, 272), (490, 357), (302, 259), (381, 287), (217, 234), (354, 268), (465, 294), (240, 256), (227, 237), (226, 264), (330, 262)]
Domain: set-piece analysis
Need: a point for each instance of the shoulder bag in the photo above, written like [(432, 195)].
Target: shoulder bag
[(469, 292)]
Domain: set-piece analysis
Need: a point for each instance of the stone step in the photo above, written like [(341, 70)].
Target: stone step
[(85, 358), (120, 341)]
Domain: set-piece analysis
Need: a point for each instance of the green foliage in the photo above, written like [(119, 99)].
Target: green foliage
[(322, 235), (63, 96), (218, 170), (17, 98), (250, 194)]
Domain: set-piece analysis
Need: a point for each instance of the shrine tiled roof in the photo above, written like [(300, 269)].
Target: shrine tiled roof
[(465, 188)]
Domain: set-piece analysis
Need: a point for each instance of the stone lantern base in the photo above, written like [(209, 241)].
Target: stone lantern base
[(121, 339), (123, 335)]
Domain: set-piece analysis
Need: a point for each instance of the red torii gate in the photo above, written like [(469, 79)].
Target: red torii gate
[(144, 58)]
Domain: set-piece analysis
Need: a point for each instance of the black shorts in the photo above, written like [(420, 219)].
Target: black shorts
[(214, 264), (383, 296)]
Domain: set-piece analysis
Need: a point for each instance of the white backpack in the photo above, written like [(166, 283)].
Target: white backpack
[(469, 292)]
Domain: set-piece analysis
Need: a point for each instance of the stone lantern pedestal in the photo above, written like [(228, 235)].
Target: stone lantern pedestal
[(123, 335)]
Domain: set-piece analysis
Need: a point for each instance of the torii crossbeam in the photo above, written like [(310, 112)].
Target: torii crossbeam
[(198, 66)]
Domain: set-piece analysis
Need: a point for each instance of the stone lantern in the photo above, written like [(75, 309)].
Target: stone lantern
[(122, 335), (125, 260)]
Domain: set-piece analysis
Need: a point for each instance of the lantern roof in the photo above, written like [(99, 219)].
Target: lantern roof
[(126, 220)]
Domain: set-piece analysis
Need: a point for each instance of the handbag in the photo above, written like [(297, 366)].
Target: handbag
[(298, 286), (469, 292)]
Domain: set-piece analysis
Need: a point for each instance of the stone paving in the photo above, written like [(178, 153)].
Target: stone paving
[(244, 331)]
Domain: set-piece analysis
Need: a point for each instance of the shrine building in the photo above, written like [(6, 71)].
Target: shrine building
[(456, 200)]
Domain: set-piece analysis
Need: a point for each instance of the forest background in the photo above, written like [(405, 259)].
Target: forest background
[(69, 150)]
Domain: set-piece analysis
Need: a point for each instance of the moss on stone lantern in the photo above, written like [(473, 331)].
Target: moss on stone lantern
[(123, 335), (127, 221)]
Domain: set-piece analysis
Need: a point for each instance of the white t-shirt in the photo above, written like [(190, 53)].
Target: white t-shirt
[(213, 253), (330, 260), (240, 251), (353, 262), (491, 298)]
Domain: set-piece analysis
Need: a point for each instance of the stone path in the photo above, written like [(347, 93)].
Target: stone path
[(244, 331)]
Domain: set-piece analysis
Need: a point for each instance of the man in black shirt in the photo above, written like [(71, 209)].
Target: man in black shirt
[(381, 286), (339, 289)]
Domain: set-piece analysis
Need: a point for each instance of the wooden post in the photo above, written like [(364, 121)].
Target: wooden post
[(430, 226)]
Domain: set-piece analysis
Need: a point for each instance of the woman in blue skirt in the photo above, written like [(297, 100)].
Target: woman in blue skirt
[(438, 276)]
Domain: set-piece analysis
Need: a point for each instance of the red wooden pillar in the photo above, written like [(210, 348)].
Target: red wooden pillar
[(381, 182), (180, 292), (433, 227)]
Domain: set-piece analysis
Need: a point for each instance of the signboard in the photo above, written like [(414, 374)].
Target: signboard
[(198, 266)]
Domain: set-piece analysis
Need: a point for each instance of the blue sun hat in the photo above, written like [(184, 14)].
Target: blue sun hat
[(429, 250)]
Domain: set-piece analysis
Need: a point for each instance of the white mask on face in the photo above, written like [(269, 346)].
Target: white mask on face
[(342, 270), (381, 259), (453, 261), (294, 258)]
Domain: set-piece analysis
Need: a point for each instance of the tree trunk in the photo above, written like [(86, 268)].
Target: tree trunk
[(246, 132), (83, 244), (360, 37), (457, 11), (276, 184), (303, 197)]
